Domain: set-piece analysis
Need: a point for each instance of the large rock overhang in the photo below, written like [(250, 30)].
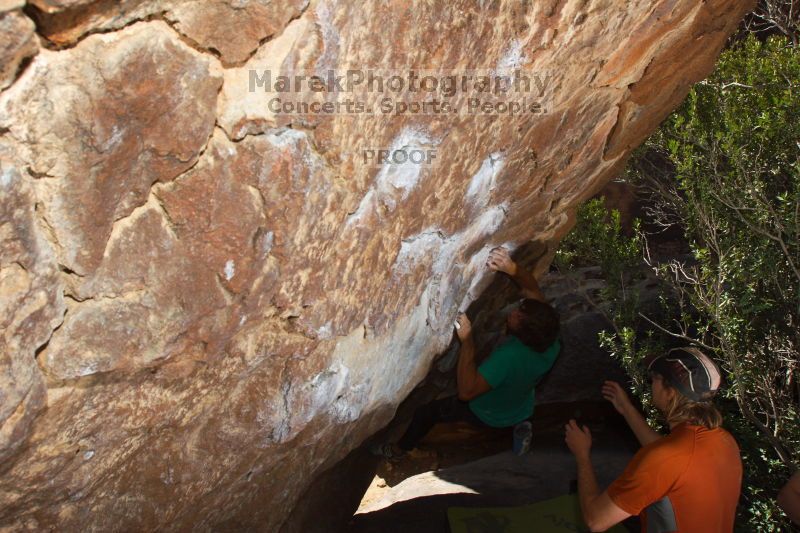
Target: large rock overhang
[(206, 303)]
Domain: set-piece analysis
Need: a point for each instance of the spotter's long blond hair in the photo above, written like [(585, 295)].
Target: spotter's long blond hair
[(681, 409)]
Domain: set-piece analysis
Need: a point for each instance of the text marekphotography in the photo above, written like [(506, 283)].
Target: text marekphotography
[(403, 92)]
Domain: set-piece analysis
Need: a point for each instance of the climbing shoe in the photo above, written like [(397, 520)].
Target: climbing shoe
[(387, 450), (523, 433)]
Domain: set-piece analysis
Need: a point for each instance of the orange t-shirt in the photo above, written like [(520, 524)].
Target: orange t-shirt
[(688, 481)]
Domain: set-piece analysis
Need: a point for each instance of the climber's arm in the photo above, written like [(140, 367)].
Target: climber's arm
[(530, 287), (499, 259), (471, 383)]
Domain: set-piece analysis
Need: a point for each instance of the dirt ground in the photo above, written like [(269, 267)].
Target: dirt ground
[(446, 445), (460, 443)]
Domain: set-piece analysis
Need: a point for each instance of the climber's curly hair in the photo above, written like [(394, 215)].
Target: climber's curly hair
[(539, 326)]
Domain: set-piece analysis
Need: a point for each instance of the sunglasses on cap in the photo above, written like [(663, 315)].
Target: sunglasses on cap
[(693, 373)]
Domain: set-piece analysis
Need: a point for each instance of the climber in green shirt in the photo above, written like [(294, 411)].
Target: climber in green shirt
[(500, 392)]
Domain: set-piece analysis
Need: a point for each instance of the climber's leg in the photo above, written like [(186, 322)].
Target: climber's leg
[(445, 410)]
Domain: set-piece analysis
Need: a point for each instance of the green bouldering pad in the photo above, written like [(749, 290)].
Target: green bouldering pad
[(550, 516)]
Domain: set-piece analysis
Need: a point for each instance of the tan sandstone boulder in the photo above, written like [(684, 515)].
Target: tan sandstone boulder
[(208, 302)]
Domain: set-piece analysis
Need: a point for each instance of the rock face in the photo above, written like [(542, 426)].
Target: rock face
[(32, 307), (18, 42), (230, 29), (206, 302)]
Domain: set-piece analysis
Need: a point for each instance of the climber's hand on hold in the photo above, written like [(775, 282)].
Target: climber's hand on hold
[(578, 439), (499, 260), (613, 392), (463, 327)]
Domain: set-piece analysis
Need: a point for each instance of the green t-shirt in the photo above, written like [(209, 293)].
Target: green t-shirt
[(513, 370)]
